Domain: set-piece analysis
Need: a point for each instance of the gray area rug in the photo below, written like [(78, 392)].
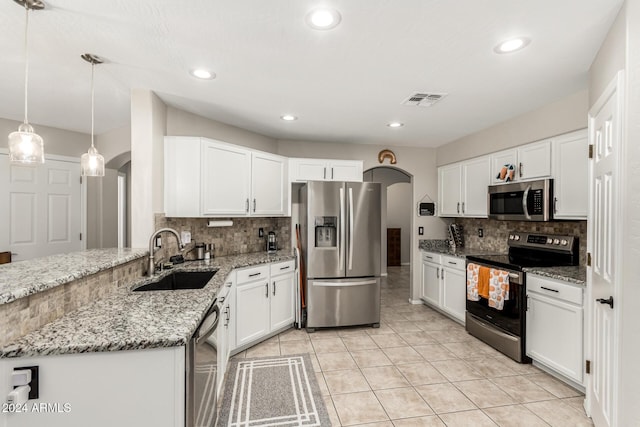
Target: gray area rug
[(274, 391)]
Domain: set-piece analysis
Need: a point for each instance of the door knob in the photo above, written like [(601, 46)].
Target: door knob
[(606, 301)]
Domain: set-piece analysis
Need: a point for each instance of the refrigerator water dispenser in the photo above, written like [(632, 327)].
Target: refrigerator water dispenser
[(326, 231)]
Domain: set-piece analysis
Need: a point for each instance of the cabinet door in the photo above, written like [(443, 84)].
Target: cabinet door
[(476, 179), (222, 343), (345, 170), (182, 177), (454, 292), (571, 173), (499, 160), (226, 179), (449, 184), (268, 180), (252, 309), (554, 335), (282, 301), (431, 283), (534, 160), (303, 170)]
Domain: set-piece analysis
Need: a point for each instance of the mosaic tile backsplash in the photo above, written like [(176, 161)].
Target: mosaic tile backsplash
[(496, 233), (240, 238)]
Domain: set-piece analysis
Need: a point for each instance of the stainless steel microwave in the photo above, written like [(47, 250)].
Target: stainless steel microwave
[(521, 201)]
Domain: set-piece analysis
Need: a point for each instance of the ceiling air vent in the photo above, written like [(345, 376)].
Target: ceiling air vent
[(423, 99)]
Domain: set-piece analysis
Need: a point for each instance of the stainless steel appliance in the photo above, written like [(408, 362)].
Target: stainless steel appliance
[(521, 201), (272, 243), (504, 329), (201, 373), (340, 239)]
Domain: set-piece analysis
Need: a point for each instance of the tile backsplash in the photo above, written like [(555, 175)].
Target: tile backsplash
[(240, 238), (496, 232)]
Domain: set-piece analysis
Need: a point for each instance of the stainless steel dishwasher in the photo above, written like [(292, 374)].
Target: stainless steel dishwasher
[(201, 373)]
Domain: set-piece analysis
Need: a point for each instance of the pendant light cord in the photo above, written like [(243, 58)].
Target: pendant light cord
[(26, 63), (93, 66)]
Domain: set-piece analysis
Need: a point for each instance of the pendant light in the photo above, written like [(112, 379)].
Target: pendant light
[(91, 162), (25, 146)]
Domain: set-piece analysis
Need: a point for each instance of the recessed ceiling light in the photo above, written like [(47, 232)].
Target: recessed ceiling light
[(288, 117), (511, 45), (201, 73), (323, 19), (395, 124)]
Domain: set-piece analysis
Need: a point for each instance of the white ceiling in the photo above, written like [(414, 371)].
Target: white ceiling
[(344, 84)]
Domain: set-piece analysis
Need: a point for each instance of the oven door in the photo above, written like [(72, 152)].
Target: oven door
[(511, 317), (521, 201)]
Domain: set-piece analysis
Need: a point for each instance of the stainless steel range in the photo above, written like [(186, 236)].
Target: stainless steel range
[(504, 329)]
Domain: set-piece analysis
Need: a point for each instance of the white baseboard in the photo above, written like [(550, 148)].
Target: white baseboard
[(415, 301), (384, 274), (405, 263)]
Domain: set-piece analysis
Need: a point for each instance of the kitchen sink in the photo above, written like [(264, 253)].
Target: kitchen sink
[(179, 280)]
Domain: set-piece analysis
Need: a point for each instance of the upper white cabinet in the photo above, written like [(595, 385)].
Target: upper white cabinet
[(302, 170), (462, 188), (500, 160), (204, 177), (571, 172), (534, 160)]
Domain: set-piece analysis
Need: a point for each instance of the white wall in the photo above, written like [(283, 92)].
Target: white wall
[(113, 144), (562, 116), (399, 215), (148, 128), (182, 123), (419, 162)]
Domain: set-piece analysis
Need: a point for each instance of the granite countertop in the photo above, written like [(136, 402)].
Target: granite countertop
[(442, 247), (130, 320), (572, 274), (23, 278)]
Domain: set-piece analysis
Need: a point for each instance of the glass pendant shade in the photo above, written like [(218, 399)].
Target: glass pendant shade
[(25, 146), (92, 163)]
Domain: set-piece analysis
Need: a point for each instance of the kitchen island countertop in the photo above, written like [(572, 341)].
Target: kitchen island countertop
[(128, 320)]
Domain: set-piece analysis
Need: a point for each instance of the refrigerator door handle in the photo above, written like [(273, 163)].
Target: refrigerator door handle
[(341, 236), (350, 228), (345, 284)]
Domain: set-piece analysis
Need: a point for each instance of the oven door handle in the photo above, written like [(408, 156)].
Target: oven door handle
[(525, 208)]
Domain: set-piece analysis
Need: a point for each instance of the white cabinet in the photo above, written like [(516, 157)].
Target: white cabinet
[(226, 325), (444, 284), (204, 177), (302, 170), (571, 173), (499, 160), (430, 287), (454, 287), (534, 160), (265, 301), (462, 188), (555, 326)]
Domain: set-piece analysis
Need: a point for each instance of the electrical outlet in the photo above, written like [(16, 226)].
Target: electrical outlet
[(158, 242), (420, 231), (260, 232), (480, 232)]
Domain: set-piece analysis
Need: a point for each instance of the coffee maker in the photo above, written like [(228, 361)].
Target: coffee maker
[(272, 243)]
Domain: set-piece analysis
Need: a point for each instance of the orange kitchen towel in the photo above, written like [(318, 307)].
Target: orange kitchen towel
[(472, 281), (484, 276), (498, 288)]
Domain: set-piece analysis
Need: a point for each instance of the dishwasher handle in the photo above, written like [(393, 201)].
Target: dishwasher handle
[(208, 325)]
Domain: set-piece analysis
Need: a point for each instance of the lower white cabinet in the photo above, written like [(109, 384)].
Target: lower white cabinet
[(444, 284), (265, 301), (555, 326), (226, 325)]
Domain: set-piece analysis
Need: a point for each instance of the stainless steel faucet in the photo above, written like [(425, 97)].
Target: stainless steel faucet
[(152, 267)]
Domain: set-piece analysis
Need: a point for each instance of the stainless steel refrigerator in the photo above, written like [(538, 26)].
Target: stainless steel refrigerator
[(340, 239)]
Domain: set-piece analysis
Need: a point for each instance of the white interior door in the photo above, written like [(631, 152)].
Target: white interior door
[(41, 212), (604, 213)]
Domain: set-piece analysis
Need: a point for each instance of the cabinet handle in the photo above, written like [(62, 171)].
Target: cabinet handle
[(555, 205), (274, 288), (331, 173), (324, 174), (255, 274), (247, 206), (462, 207), (442, 274), (438, 273), (254, 205), (452, 263), (526, 307), (266, 294), (428, 257), (222, 300), (549, 289), (229, 284), (285, 268), (520, 171), (458, 208)]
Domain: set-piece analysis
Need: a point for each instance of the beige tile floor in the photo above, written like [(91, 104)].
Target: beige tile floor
[(422, 369)]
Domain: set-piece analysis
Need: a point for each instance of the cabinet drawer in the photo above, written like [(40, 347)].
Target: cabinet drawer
[(431, 257), (555, 288), (453, 262), (252, 274), (282, 267)]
